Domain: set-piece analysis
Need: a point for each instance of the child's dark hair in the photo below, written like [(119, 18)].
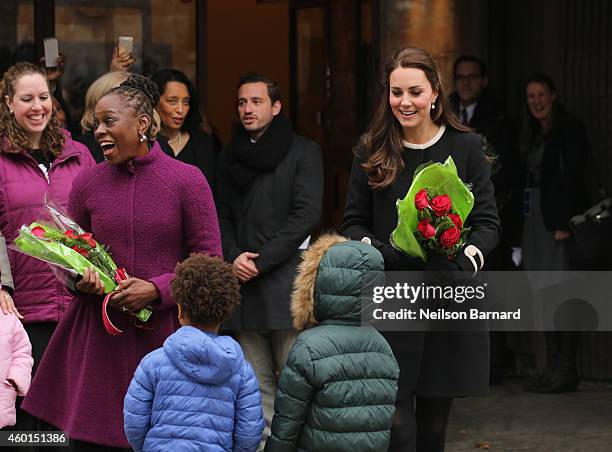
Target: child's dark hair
[(206, 289)]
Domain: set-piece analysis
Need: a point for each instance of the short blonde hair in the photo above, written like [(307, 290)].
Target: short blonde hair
[(101, 87), (96, 91)]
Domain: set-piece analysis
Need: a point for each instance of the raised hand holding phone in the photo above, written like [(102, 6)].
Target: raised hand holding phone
[(51, 52), (122, 58)]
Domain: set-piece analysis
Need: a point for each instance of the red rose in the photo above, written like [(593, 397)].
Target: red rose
[(88, 237), (420, 199), (38, 231), (456, 219), (70, 234), (426, 229), (449, 237), (81, 251), (441, 205)]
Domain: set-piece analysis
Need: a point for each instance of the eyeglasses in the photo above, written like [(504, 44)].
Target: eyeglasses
[(467, 78)]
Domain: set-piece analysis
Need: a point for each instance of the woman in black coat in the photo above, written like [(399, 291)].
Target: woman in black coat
[(555, 150), (180, 123), (413, 125)]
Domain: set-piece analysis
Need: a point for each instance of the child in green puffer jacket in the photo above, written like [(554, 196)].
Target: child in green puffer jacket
[(337, 391)]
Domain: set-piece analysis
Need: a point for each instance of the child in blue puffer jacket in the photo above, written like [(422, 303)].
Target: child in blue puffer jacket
[(197, 392)]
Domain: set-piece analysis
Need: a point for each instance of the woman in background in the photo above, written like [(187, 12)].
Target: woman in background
[(37, 159), (180, 123), (555, 150)]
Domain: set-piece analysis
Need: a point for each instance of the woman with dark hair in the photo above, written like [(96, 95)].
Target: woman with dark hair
[(555, 150), (152, 212), (37, 159), (181, 121), (413, 125), (99, 88)]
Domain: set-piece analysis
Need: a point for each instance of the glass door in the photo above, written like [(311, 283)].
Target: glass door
[(163, 32), (310, 83), (16, 32)]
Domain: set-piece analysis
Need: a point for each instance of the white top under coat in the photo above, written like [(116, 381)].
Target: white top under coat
[(431, 142)]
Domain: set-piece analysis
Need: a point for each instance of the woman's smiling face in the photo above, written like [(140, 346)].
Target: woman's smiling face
[(410, 97), (117, 130), (539, 100), (32, 105)]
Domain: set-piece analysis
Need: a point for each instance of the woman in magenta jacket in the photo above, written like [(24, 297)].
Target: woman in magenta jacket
[(37, 159)]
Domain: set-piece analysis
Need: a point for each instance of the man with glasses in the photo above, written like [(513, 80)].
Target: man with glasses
[(470, 76), (476, 108)]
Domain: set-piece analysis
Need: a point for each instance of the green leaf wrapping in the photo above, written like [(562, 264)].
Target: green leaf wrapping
[(55, 253), (443, 178), (58, 254)]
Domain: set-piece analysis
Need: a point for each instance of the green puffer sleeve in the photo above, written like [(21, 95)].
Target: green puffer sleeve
[(293, 398)]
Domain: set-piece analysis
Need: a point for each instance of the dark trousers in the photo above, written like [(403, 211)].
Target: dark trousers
[(561, 351), (420, 424)]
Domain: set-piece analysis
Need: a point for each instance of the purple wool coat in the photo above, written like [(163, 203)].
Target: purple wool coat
[(152, 213)]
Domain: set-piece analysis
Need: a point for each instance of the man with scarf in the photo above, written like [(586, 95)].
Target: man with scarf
[(269, 204)]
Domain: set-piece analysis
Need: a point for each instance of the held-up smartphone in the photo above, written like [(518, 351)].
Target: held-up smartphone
[(51, 52), (127, 42)]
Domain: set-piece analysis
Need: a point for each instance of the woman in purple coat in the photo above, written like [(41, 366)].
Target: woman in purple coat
[(152, 211), (37, 159)]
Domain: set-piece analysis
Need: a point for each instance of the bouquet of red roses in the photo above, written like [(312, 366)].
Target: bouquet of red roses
[(439, 228), (432, 214), (69, 250)]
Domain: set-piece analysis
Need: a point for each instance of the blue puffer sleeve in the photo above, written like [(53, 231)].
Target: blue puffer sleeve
[(248, 417), (138, 403)]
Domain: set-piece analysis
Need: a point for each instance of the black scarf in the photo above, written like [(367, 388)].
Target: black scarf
[(247, 160)]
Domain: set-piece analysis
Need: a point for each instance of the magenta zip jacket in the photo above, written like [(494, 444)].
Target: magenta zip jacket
[(39, 295)]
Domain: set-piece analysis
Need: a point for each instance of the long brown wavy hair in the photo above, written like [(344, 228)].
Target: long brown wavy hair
[(382, 143), (52, 139)]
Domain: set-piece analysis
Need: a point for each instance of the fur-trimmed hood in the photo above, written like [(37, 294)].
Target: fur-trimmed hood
[(331, 279)]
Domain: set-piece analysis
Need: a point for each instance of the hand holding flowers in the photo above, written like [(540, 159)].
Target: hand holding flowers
[(134, 294), (69, 250), (90, 283)]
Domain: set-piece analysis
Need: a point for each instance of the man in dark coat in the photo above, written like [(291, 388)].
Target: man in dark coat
[(270, 196), (476, 108)]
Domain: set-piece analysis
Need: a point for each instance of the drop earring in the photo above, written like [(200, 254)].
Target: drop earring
[(143, 138), (433, 106)]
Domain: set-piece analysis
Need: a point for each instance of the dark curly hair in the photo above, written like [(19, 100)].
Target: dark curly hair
[(52, 139), (193, 120), (140, 94), (206, 289)]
